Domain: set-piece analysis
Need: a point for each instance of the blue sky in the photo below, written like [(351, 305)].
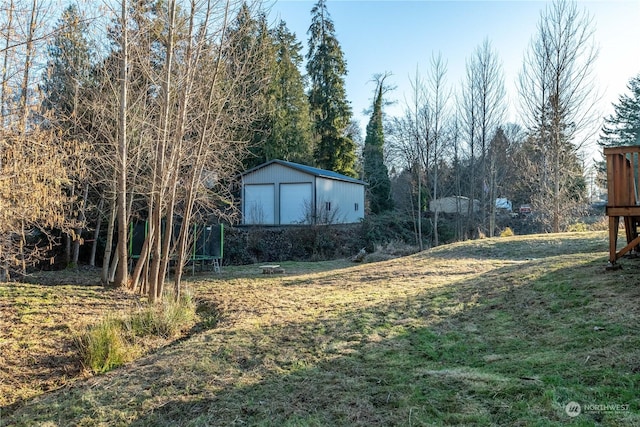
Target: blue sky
[(401, 36)]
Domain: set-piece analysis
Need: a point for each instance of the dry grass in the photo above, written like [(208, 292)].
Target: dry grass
[(40, 325), (37, 352), (498, 331)]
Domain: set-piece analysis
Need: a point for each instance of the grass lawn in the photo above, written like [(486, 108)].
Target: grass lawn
[(504, 331)]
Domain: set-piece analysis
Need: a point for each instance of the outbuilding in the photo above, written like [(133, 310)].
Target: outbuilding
[(454, 204), (285, 193)]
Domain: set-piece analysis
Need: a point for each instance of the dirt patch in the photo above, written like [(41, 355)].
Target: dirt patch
[(83, 275)]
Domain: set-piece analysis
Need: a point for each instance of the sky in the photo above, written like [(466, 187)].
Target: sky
[(400, 37)]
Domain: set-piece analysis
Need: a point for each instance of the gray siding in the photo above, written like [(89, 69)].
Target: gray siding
[(334, 201), (344, 198), (276, 174)]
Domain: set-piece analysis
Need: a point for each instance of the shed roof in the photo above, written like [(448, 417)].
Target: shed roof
[(308, 170)]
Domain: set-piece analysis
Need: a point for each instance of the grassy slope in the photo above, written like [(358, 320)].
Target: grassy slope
[(37, 323), (497, 331)]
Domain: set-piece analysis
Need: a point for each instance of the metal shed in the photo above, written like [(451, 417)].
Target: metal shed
[(285, 193)]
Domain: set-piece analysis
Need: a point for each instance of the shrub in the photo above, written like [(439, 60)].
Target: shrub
[(246, 245), (102, 346), (601, 224), (165, 320), (579, 227), (174, 316), (381, 229), (113, 342), (507, 232), (391, 250)]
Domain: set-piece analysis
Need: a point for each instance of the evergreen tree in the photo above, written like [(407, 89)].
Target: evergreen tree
[(623, 126), (290, 134), (69, 66), (65, 85), (249, 37), (375, 171), (330, 110)]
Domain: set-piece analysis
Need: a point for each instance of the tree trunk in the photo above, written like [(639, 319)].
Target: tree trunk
[(144, 256), (96, 234), (106, 260), (114, 264), (161, 249), (78, 231), (67, 249), (121, 278), (492, 192), (436, 239), (4, 268), (24, 105), (5, 64), (156, 243), (556, 191)]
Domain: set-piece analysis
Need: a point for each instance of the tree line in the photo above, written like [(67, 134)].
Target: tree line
[(148, 110), (454, 140)]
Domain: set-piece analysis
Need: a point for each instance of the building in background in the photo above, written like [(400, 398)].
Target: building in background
[(454, 204), (285, 193)]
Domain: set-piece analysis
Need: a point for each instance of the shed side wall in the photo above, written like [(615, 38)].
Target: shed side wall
[(346, 201)]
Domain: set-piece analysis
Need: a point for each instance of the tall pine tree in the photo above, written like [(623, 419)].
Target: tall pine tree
[(330, 110), (282, 129), (623, 126), (290, 134), (68, 68), (375, 171), (249, 37)]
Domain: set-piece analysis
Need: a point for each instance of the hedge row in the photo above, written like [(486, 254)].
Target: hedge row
[(247, 245)]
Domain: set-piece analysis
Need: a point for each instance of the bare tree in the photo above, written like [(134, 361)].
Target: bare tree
[(498, 169), (403, 154), (418, 117), (457, 156), (7, 30), (438, 95), (418, 140), (557, 95), (187, 91), (483, 107), (33, 159), (121, 154)]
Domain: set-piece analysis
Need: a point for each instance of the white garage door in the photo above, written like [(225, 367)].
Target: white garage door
[(295, 203), (259, 204)]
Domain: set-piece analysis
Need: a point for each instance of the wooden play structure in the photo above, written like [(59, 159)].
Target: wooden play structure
[(623, 181)]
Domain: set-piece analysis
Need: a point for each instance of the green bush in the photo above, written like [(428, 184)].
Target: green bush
[(174, 316), (165, 320), (102, 346), (387, 227), (113, 342), (246, 245)]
